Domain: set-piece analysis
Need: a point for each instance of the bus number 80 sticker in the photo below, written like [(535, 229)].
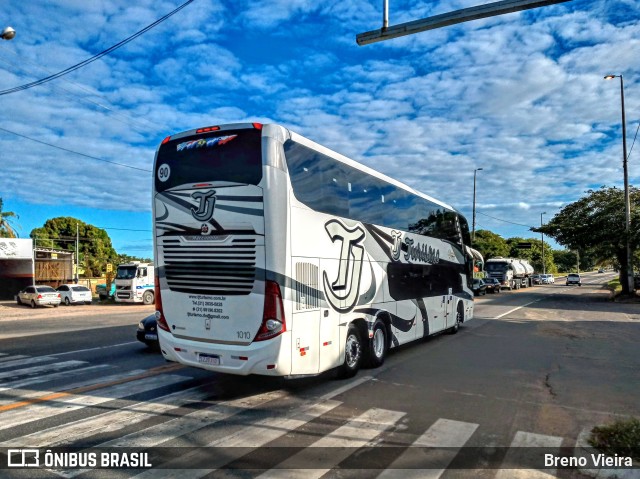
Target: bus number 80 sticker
[(164, 171)]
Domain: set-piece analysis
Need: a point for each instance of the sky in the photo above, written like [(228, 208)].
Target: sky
[(521, 96)]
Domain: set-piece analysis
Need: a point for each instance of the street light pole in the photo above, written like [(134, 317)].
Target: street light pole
[(627, 202), (544, 269), (473, 223)]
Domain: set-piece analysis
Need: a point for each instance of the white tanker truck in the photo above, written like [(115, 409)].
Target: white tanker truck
[(512, 273)]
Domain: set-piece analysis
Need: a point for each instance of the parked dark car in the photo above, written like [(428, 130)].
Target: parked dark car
[(493, 285), (479, 287), (148, 332)]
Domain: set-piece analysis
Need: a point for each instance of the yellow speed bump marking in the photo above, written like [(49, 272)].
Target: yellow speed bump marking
[(50, 397)]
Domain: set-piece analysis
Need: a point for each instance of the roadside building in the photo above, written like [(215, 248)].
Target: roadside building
[(16, 266)]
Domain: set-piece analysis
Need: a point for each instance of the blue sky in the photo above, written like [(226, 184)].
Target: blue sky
[(521, 96)]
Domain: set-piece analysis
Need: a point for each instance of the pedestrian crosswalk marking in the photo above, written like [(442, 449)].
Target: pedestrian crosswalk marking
[(24, 361), (72, 433), (67, 403), (356, 433), (20, 383), (160, 433), (444, 433), (39, 369), (443, 439), (254, 436), (6, 357), (524, 445)]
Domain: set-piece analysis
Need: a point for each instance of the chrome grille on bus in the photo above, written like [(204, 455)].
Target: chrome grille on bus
[(210, 268)]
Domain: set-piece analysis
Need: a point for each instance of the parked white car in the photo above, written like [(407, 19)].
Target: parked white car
[(547, 278), (74, 294), (39, 296)]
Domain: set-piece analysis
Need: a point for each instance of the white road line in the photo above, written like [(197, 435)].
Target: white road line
[(174, 428), (39, 369), (356, 433), (19, 383), (68, 434), (519, 307), (26, 361), (525, 449), (444, 433), (5, 357), (99, 348), (254, 436), (30, 413)]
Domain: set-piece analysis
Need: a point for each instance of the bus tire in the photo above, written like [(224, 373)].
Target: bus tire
[(353, 352), (378, 345), (147, 297), (459, 319)]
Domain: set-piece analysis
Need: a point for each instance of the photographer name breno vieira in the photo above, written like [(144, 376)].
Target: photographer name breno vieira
[(591, 460)]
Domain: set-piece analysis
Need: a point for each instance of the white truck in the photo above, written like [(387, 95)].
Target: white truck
[(512, 273), (134, 283)]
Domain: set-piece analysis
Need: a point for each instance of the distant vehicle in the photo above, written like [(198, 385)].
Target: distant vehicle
[(536, 279), (547, 279), (574, 278), (74, 294), (39, 296), (493, 285), (601, 270), (134, 283), (103, 294), (479, 287), (147, 332), (512, 273)]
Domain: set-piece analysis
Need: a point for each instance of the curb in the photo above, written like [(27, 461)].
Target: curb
[(584, 449)]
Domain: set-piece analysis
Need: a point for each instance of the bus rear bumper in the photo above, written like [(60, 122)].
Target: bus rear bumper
[(256, 358)]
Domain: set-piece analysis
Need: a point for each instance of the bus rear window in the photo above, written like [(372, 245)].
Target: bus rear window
[(231, 156)]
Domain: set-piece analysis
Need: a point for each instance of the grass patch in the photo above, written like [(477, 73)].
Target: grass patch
[(621, 438), (615, 286)]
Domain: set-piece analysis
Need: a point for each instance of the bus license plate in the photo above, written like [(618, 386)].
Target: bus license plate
[(212, 359)]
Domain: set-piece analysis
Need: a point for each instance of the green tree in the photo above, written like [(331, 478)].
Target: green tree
[(7, 230), (595, 227), (125, 258), (95, 245), (490, 244)]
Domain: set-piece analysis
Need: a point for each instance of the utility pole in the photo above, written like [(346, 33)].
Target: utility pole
[(77, 253)]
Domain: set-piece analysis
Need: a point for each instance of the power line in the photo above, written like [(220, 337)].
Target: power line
[(74, 152), (116, 115), (504, 221), (95, 57)]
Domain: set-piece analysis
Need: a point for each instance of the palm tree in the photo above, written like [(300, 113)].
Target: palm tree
[(6, 228)]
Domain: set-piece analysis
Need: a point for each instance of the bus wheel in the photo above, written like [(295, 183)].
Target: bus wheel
[(352, 354), (379, 344), (459, 319), (147, 297)]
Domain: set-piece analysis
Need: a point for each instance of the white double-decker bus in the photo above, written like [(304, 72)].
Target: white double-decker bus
[(278, 256)]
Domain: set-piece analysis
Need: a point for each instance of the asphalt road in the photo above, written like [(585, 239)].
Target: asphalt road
[(535, 367)]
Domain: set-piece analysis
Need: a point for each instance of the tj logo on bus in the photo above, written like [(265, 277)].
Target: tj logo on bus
[(350, 266), (206, 206)]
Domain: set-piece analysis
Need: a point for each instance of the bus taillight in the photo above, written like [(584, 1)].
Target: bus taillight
[(273, 320), (160, 320), (257, 126)]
